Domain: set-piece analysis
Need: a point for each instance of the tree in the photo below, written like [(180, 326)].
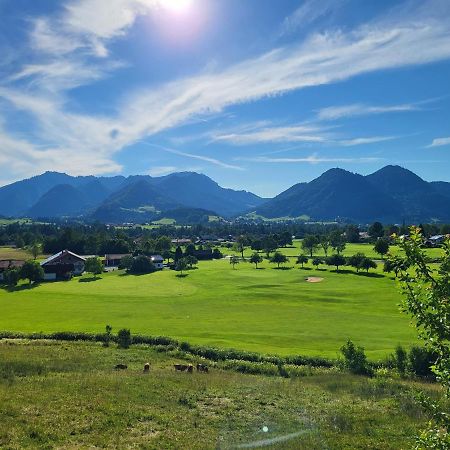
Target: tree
[(336, 260), (367, 264), (11, 277), (337, 241), (395, 264), (124, 338), (352, 233), (181, 264), (278, 258), (142, 265), (178, 254), (316, 262), (35, 250), (126, 262), (426, 293), (355, 359), (257, 245), (302, 259), (234, 260), (356, 260), (381, 246), (285, 239), (217, 254), (107, 336), (94, 266), (33, 271), (310, 244), (190, 250), (269, 245), (325, 244), (240, 244), (191, 261), (255, 259), (376, 230), (163, 244)]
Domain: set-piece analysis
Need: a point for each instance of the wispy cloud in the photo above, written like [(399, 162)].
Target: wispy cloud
[(364, 140), (307, 13), (86, 28), (312, 159), (195, 156), (439, 142), (158, 171), (359, 109)]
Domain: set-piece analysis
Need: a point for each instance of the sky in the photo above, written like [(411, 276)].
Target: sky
[(257, 94)]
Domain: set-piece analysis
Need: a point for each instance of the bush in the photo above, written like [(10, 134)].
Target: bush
[(124, 338), (355, 359), (142, 265), (420, 361), (400, 359)]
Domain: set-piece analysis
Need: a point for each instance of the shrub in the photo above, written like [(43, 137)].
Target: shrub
[(124, 338), (400, 359), (420, 361), (141, 265), (108, 335), (355, 359)]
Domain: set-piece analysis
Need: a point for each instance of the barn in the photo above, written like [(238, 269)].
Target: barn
[(63, 266)]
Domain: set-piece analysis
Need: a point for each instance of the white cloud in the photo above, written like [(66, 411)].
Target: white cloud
[(358, 109), (364, 140), (312, 159), (307, 13), (402, 38), (439, 142)]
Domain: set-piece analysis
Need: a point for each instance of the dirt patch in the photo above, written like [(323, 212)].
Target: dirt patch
[(314, 279)]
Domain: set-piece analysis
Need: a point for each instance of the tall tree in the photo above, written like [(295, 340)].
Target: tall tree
[(310, 243), (278, 258), (94, 266), (234, 260), (381, 246), (376, 230), (255, 259), (302, 259), (336, 261), (33, 271)]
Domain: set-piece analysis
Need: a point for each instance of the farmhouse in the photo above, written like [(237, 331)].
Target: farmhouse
[(435, 241), (9, 264), (158, 261), (63, 265), (113, 260)]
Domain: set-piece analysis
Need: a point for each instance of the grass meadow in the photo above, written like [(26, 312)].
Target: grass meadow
[(68, 395), (263, 310)]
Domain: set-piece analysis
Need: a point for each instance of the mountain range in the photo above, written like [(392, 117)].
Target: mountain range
[(392, 194)]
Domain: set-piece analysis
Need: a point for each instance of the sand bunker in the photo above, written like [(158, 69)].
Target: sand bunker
[(314, 279)]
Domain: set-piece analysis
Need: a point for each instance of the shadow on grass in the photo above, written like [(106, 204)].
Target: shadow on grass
[(89, 280), (305, 268), (370, 275), (21, 287), (283, 268), (181, 275)]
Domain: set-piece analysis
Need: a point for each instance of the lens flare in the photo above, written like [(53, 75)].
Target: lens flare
[(177, 6)]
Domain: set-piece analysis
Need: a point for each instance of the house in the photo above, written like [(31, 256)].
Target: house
[(158, 261), (9, 264), (435, 241), (63, 265), (113, 260), (181, 241)]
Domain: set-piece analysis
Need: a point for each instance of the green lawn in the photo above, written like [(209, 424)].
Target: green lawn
[(68, 395), (350, 249), (264, 310)]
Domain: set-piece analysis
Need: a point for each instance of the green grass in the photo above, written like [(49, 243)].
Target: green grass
[(17, 253), (67, 395), (350, 249), (264, 310)]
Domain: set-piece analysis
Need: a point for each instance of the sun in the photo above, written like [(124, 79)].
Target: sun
[(177, 6)]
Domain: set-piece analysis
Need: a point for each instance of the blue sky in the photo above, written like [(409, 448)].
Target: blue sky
[(256, 94)]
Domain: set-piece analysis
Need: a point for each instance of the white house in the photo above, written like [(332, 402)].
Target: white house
[(158, 261)]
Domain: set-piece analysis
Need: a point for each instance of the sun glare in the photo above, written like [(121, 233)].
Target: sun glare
[(177, 6)]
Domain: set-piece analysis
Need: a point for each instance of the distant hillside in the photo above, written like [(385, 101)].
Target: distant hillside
[(336, 193), (392, 194)]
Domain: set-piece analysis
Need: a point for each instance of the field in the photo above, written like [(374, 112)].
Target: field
[(67, 395), (265, 310), (14, 253)]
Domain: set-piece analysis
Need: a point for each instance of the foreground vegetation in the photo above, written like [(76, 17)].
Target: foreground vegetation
[(60, 394)]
